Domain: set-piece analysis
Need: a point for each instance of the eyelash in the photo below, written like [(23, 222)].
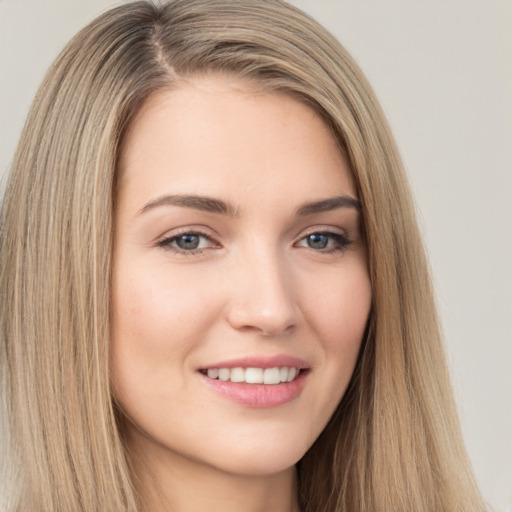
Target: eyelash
[(341, 242), (166, 243)]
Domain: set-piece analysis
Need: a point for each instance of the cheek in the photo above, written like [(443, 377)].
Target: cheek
[(157, 321), (158, 308), (337, 315), (340, 312)]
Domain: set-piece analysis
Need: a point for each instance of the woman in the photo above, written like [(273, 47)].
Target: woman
[(215, 291)]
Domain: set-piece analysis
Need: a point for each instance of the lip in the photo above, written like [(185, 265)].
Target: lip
[(259, 395), (278, 361)]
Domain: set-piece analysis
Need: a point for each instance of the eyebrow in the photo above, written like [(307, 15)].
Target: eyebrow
[(203, 203), (326, 205), (212, 205)]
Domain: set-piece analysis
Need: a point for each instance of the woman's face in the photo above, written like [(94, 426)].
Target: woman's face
[(241, 289)]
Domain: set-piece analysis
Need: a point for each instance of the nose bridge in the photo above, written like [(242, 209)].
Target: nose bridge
[(263, 297)]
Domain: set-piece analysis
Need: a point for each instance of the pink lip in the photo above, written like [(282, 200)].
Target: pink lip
[(279, 361), (259, 395)]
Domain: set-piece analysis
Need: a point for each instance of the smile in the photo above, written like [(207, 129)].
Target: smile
[(277, 375)]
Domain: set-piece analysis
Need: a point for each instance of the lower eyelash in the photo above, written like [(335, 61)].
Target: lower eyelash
[(166, 245)]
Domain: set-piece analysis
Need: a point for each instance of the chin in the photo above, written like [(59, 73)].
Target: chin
[(270, 462), (264, 455)]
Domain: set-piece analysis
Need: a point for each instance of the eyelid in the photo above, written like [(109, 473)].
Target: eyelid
[(196, 229), (322, 228)]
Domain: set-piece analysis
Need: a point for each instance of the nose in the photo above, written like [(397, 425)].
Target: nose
[(262, 296)]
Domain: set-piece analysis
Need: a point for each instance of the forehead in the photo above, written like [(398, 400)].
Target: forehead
[(224, 135)]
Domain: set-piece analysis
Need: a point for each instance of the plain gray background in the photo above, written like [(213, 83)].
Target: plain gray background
[(443, 72)]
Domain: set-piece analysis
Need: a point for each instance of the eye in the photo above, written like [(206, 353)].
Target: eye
[(187, 243), (317, 241), (324, 241)]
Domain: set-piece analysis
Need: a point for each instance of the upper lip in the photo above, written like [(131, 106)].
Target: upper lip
[(279, 361)]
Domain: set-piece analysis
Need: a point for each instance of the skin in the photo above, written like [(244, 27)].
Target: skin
[(255, 286)]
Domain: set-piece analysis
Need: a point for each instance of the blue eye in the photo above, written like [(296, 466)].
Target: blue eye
[(317, 241), (324, 241), (187, 243)]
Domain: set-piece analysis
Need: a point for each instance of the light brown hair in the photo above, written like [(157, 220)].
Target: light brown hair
[(394, 442)]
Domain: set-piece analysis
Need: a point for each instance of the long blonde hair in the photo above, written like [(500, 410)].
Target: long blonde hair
[(394, 442)]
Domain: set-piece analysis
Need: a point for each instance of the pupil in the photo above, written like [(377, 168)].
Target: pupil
[(317, 241), (188, 242)]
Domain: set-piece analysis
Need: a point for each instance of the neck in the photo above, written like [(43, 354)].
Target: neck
[(170, 482)]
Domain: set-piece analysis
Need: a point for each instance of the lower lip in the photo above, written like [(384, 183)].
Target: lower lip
[(258, 395)]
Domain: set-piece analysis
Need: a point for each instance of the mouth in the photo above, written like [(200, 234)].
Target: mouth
[(254, 375), (258, 382)]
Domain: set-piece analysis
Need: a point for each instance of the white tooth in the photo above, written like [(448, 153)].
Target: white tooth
[(224, 374), (283, 374), (254, 375), (237, 375), (271, 376), (292, 373), (213, 373)]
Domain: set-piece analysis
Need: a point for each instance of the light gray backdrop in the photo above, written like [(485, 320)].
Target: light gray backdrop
[(443, 72)]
